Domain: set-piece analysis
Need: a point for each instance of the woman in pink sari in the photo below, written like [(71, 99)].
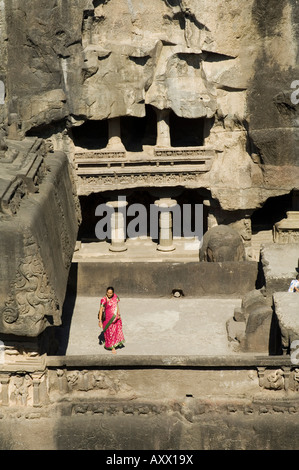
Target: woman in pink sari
[(112, 324)]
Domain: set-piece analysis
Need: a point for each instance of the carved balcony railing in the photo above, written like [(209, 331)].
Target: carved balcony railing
[(106, 170)]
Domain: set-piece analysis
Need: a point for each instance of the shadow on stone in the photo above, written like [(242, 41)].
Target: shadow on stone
[(62, 332)]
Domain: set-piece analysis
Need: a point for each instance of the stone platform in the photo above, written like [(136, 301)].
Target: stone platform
[(138, 249), (152, 326)]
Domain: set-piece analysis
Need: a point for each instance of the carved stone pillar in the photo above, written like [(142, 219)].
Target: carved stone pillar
[(114, 135), (36, 381), (163, 129), (4, 380), (165, 224), (118, 229), (287, 372)]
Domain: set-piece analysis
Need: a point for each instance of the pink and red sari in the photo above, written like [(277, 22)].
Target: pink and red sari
[(112, 325)]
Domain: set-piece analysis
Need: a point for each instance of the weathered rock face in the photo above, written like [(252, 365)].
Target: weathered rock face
[(286, 308), (222, 243), (39, 210), (232, 66), (273, 113), (254, 328)]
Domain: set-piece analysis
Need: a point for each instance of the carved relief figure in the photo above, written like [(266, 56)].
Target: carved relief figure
[(31, 297), (273, 380), (20, 393)]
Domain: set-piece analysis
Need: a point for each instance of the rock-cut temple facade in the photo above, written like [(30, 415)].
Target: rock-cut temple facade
[(161, 104)]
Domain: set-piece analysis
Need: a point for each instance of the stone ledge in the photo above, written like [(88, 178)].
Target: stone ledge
[(207, 362)]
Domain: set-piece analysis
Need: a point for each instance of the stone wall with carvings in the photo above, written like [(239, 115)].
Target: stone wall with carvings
[(165, 402), (39, 216)]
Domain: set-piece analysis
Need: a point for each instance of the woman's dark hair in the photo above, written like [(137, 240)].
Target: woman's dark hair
[(110, 288)]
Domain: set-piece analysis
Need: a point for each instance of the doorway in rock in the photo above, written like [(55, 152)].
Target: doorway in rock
[(263, 220), (137, 132), (91, 135), (186, 132), (273, 210)]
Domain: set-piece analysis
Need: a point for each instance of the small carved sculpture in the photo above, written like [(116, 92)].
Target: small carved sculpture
[(273, 380), (20, 393)]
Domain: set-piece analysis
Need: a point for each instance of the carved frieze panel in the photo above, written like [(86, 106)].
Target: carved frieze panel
[(23, 389), (94, 391), (74, 381), (31, 298), (166, 167), (88, 184), (103, 154)]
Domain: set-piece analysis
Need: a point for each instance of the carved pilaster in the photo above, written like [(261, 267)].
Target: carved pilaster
[(36, 382), (4, 380)]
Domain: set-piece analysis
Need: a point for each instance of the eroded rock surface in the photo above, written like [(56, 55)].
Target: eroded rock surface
[(286, 306), (232, 65), (222, 243)]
